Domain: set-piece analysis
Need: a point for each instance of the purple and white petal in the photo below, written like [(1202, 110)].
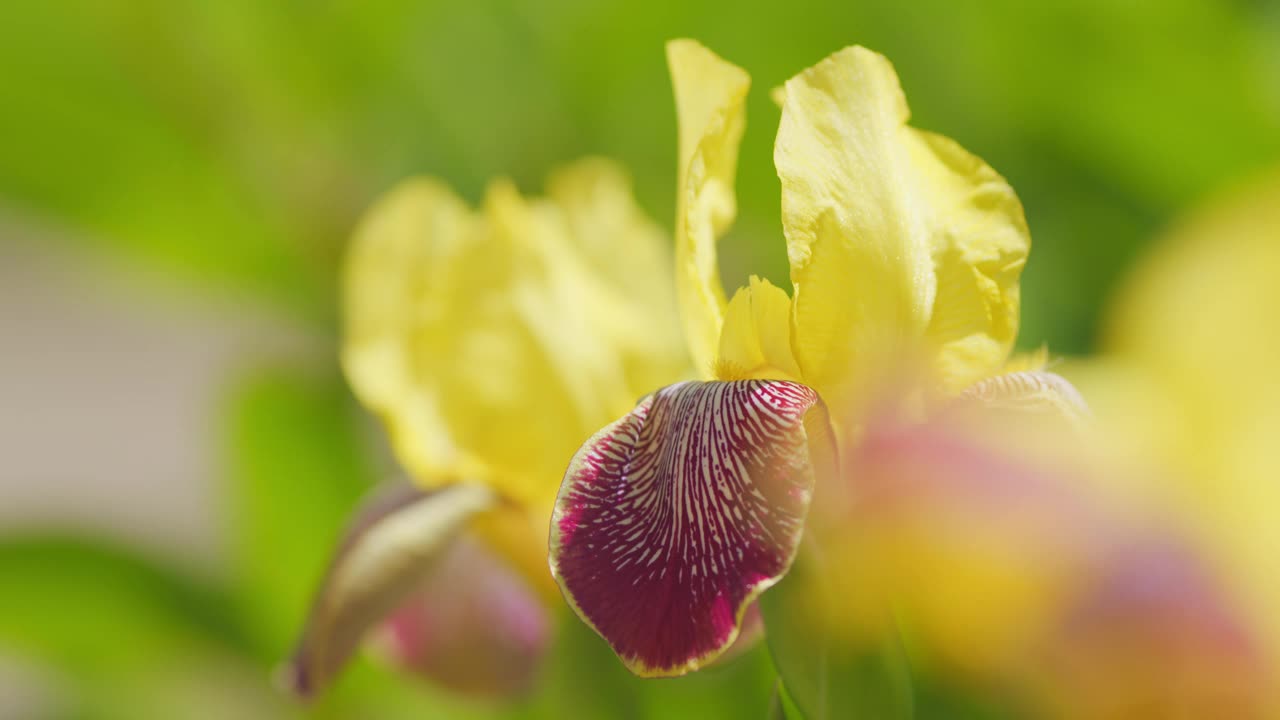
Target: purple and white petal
[(673, 519)]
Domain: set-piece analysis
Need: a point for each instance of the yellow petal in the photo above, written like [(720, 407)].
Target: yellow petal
[(710, 95), (903, 247), (493, 343), (756, 339), (629, 252), (1033, 361), (980, 244)]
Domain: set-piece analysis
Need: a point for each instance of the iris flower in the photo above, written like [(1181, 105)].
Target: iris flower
[(904, 250), (490, 343)]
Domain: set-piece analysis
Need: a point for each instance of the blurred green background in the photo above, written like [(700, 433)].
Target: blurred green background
[(177, 180)]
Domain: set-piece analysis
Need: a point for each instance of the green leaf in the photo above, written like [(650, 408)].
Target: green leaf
[(88, 608), (297, 469), (118, 635), (824, 678), (783, 707)]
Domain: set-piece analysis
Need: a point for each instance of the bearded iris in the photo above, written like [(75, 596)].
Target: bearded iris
[(490, 343), (904, 249)]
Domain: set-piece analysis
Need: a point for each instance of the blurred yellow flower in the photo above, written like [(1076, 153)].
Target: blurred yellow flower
[(491, 343), (1186, 392)]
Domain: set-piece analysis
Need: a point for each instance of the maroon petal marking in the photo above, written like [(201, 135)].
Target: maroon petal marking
[(673, 519)]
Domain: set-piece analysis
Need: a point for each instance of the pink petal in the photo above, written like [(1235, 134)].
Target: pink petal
[(392, 545), (473, 626)]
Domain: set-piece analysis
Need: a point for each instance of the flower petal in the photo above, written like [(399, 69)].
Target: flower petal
[(980, 244), (629, 252), (386, 552), (1035, 391), (756, 339), (673, 519), (710, 108), (462, 325), (899, 241), (473, 626)]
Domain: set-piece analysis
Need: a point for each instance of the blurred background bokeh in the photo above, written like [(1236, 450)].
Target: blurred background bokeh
[(177, 182)]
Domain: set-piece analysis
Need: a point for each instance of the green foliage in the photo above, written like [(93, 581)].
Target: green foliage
[(132, 636), (234, 143), (821, 677), (297, 469), (87, 607)]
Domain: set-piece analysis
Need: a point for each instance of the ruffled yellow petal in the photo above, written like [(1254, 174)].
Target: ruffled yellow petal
[(710, 96), (493, 343), (980, 244), (755, 342), (856, 237), (627, 250), (903, 247)]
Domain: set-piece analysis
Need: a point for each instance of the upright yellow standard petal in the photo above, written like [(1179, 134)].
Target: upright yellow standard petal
[(980, 242), (710, 96), (493, 343), (756, 340), (902, 246)]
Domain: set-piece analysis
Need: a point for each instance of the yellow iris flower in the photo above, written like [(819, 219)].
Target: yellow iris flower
[(490, 343), (899, 240), (905, 252)]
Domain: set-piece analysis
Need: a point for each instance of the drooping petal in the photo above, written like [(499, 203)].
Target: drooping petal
[(385, 554), (462, 325), (756, 339), (901, 244), (710, 107), (672, 519), (473, 626)]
